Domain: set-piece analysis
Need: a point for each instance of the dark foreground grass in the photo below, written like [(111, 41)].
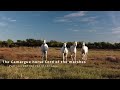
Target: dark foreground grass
[(61, 71)]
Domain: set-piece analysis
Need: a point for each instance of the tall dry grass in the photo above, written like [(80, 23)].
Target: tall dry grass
[(99, 65)]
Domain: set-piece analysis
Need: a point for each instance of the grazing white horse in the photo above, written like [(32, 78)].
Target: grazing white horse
[(84, 51), (44, 49), (64, 51), (73, 50)]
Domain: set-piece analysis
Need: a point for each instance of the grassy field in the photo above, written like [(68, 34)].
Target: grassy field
[(101, 64)]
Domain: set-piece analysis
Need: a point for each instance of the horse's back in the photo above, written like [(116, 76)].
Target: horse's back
[(84, 49), (72, 49), (44, 47), (64, 50)]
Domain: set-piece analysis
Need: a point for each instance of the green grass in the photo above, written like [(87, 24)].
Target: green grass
[(62, 71)]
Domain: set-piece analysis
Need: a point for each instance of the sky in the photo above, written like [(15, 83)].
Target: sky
[(88, 26)]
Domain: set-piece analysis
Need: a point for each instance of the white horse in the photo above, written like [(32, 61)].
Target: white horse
[(64, 51), (73, 50), (84, 51), (44, 49)]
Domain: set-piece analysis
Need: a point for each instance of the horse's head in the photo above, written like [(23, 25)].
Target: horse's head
[(65, 44), (83, 44), (75, 43), (44, 41)]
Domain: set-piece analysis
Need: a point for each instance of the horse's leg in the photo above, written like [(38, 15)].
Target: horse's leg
[(75, 56), (83, 56), (86, 56), (66, 56), (46, 55), (63, 56), (42, 56), (72, 56)]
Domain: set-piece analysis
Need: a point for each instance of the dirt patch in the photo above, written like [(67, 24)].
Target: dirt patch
[(112, 59)]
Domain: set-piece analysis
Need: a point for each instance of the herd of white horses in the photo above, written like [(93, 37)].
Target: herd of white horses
[(64, 51)]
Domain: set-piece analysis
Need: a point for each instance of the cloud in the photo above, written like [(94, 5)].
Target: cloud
[(104, 33), (8, 19), (91, 30), (4, 21), (3, 24), (77, 17), (113, 18), (70, 17), (116, 30), (77, 14), (62, 20), (12, 20), (88, 19), (113, 31), (115, 23), (73, 30)]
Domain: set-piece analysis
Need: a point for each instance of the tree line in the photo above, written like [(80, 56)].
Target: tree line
[(53, 43)]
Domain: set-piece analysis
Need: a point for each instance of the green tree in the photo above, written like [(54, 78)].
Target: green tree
[(0, 43), (9, 42), (4, 44)]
